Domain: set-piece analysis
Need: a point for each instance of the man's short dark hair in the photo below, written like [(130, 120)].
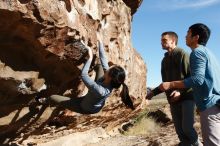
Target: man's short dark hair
[(202, 30), (171, 33)]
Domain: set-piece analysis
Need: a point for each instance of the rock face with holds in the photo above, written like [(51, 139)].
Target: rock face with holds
[(37, 47)]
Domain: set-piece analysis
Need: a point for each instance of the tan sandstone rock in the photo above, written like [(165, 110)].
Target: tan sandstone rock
[(37, 44)]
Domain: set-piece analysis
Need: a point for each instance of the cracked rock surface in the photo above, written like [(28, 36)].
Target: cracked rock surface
[(38, 47)]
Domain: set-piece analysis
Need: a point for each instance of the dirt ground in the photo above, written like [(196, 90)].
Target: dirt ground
[(164, 136)]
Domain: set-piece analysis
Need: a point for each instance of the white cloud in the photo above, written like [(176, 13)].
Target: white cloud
[(181, 4)]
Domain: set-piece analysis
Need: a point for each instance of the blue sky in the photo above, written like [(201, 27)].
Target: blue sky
[(156, 16)]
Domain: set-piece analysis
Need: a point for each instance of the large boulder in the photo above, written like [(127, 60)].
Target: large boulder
[(37, 47)]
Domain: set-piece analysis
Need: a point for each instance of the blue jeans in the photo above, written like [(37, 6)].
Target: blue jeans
[(183, 119)]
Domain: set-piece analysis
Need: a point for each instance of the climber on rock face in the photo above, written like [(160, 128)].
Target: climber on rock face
[(98, 90)]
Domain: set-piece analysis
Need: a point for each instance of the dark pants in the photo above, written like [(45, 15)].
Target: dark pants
[(183, 119)]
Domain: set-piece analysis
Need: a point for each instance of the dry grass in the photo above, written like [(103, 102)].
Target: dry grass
[(145, 127)]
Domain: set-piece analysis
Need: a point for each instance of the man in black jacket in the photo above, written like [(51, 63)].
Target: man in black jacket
[(175, 66)]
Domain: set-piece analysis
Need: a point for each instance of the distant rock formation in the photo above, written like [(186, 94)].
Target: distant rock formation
[(37, 47)]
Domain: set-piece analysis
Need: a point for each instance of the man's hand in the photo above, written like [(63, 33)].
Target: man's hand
[(165, 86), (175, 96)]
